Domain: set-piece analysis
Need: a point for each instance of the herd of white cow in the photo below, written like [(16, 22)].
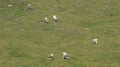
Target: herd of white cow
[(54, 18), (65, 55)]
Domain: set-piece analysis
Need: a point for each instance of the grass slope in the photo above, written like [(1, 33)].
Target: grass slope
[(26, 41)]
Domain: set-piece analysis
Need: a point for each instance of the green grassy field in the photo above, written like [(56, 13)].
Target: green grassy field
[(26, 41)]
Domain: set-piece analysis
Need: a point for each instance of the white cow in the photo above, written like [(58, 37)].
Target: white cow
[(30, 7), (46, 20), (51, 56), (65, 55), (55, 18), (95, 41), (9, 5)]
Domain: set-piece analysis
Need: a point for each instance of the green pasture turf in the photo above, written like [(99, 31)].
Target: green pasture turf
[(27, 41)]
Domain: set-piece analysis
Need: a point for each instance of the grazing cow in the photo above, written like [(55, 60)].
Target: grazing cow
[(65, 55), (55, 18), (9, 5), (46, 20), (95, 41), (51, 57), (30, 7)]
